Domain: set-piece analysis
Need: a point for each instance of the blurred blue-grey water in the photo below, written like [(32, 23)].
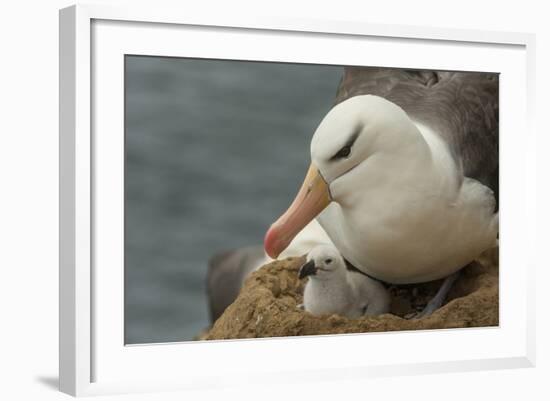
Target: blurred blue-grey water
[(215, 151)]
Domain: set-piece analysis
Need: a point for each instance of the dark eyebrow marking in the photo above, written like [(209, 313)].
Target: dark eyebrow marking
[(348, 144)]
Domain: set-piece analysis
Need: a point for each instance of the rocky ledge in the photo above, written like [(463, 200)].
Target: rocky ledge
[(267, 305)]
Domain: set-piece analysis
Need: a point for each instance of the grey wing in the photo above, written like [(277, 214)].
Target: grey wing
[(226, 274), (462, 107)]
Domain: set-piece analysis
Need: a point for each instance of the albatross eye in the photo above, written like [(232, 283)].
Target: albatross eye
[(328, 261), (345, 151), (342, 153)]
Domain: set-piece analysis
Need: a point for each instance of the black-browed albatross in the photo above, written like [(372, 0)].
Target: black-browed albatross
[(404, 175)]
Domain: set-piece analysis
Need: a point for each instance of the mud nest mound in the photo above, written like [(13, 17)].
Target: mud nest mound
[(267, 305)]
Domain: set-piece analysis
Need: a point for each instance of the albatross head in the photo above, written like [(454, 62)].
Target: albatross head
[(358, 136)]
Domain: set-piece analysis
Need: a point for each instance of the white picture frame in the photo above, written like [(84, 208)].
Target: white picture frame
[(93, 358)]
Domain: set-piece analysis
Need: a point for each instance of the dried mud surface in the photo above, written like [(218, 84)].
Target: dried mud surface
[(267, 305)]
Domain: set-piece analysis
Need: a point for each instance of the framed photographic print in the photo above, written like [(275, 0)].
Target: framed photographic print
[(195, 254)]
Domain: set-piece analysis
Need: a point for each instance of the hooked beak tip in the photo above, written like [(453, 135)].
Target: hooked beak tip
[(271, 243), (308, 269)]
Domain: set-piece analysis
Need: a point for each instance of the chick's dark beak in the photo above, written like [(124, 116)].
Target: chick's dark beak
[(308, 269)]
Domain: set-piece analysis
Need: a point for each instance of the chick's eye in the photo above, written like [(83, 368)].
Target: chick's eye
[(328, 261)]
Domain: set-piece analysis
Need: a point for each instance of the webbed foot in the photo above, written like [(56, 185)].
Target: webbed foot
[(437, 301)]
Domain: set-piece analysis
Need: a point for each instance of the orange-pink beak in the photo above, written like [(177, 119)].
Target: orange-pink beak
[(312, 198)]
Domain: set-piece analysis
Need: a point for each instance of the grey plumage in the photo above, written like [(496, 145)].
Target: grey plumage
[(226, 274)]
